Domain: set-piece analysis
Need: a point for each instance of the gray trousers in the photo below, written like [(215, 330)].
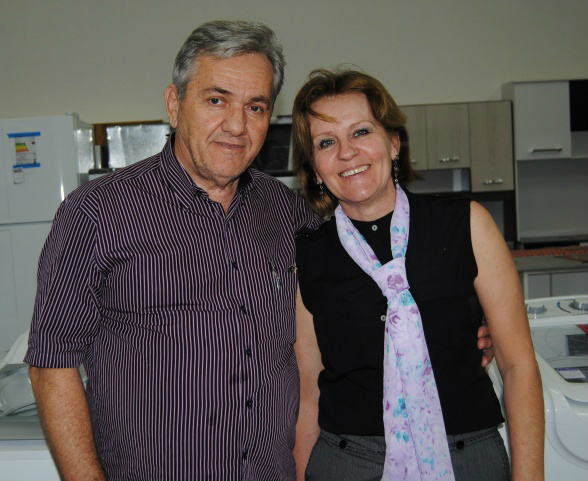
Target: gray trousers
[(475, 456)]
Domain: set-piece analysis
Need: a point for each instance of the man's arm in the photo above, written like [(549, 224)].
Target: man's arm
[(485, 345), (65, 418)]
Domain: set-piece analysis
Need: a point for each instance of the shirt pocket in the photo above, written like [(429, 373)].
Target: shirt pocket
[(281, 282)]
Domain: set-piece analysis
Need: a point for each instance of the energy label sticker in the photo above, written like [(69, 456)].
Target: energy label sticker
[(25, 145)]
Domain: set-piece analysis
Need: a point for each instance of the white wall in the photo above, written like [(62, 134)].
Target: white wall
[(110, 60)]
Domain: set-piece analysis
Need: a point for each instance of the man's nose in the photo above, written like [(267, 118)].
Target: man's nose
[(235, 122)]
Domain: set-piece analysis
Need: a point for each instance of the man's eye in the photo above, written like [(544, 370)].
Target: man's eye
[(257, 109), (325, 143), (215, 101)]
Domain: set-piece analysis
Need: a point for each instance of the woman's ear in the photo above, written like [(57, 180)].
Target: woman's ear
[(394, 144), (317, 177)]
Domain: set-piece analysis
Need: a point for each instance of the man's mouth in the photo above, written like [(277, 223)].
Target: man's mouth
[(357, 170), (228, 145)]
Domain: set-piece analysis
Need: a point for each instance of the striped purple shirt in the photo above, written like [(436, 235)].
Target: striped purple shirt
[(183, 316)]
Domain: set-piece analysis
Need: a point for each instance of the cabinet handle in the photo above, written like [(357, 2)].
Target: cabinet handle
[(550, 149), (449, 159), (495, 181)]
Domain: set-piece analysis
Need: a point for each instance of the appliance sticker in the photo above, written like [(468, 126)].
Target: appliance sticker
[(570, 373), (25, 145), (18, 176)]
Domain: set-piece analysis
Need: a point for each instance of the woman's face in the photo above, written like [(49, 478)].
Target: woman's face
[(353, 156)]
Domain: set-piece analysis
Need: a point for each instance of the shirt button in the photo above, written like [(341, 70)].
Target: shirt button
[(234, 263), (248, 352), (382, 318), (374, 227), (343, 444), (460, 445), (249, 403), (244, 455), (243, 310)]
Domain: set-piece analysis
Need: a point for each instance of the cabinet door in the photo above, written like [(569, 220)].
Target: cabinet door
[(448, 136), (417, 135), (542, 120), (491, 147)]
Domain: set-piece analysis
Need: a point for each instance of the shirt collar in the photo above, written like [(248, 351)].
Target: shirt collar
[(181, 183)]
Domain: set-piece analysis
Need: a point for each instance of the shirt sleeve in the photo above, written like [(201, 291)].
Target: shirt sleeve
[(304, 217), (66, 315)]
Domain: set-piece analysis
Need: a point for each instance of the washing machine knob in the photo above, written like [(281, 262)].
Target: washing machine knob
[(579, 306), (535, 310)]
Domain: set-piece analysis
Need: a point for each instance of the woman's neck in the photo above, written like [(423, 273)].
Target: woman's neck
[(369, 211)]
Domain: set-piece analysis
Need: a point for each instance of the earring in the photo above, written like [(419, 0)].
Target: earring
[(320, 186), (395, 168)]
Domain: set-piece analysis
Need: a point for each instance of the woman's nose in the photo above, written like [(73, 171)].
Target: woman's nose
[(346, 149)]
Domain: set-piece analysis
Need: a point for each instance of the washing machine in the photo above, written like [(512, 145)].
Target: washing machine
[(559, 329), (24, 455)]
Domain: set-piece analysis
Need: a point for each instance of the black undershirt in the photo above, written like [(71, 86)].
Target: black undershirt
[(349, 312)]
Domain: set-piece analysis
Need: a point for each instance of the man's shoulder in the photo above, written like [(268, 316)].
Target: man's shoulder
[(268, 182), (113, 189), (139, 172), (274, 191), (275, 198)]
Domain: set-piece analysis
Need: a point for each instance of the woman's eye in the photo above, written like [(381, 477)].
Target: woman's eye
[(325, 143), (361, 132)]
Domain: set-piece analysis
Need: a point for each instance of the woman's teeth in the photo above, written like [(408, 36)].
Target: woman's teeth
[(348, 173)]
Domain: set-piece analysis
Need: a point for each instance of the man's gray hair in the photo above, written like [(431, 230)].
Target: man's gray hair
[(225, 39)]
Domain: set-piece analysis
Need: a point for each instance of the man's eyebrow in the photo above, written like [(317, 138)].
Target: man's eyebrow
[(218, 90), (262, 99)]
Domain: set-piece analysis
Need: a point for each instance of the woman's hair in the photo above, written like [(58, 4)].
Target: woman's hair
[(322, 84), (225, 39)]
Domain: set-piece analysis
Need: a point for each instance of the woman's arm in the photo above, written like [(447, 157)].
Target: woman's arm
[(499, 291), (308, 357)]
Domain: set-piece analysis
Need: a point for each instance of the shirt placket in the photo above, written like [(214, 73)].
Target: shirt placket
[(241, 285)]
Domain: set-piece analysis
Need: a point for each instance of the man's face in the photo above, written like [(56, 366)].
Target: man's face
[(222, 120)]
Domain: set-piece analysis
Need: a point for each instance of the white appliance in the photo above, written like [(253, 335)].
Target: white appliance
[(24, 455), (41, 160), (559, 329)]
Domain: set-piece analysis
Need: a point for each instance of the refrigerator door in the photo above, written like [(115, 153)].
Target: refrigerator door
[(40, 161), (38, 166), (20, 246)]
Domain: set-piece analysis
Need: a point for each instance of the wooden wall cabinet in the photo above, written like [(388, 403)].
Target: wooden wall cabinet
[(491, 149), (417, 135), (448, 145), (475, 135)]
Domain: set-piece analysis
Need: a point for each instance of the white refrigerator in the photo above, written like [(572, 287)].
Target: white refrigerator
[(42, 160)]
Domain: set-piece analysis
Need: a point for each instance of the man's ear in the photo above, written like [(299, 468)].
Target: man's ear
[(172, 104)]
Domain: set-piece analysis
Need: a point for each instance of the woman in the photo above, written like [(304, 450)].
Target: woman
[(420, 264)]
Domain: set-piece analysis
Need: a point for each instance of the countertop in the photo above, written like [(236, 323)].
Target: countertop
[(551, 259)]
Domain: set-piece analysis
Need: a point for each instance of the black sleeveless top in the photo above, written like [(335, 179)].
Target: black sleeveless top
[(349, 311)]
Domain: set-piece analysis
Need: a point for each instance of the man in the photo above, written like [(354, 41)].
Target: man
[(173, 282)]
